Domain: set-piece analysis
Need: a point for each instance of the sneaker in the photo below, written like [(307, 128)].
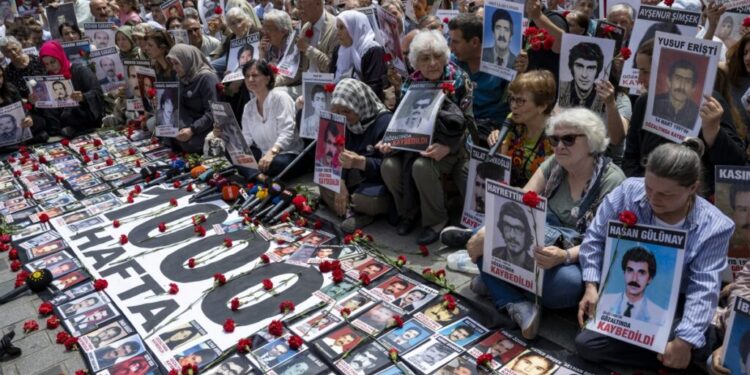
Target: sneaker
[(461, 261), (457, 237), (477, 286), (527, 316), (356, 222)]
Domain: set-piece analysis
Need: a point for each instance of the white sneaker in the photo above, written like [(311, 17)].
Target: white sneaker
[(461, 261), (527, 315)]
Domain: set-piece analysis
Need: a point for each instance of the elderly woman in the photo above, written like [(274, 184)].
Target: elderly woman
[(268, 121), (358, 55), (197, 89), (86, 92), (668, 197), (69, 32), (413, 177), (363, 194), (241, 24), (532, 98), (9, 94), (158, 44), (21, 64), (277, 28), (574, 180)]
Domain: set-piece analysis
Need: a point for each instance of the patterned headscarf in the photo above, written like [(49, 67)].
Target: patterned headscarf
[(360, 98), (193, 61)]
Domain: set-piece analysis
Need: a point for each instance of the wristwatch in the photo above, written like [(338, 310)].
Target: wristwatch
[(567, 257)]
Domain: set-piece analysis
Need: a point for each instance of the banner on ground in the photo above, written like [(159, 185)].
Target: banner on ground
[(683, 70), (641, 283), (510, 240), (482, 167)]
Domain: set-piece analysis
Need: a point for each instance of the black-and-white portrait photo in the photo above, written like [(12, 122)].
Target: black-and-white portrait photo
[(583, 61)]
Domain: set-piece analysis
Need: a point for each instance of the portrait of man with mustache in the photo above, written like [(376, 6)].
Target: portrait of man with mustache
[(676, 105), (516, 232), (502, 31), (639, 269)]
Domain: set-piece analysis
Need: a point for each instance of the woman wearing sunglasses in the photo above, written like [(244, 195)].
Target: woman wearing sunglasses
[(531, 98), (574, 180)]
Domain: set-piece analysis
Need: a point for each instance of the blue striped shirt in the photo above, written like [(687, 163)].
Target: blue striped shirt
[(706, 248)]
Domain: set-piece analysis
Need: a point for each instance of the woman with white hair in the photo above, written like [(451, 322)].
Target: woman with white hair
[(358, 55), (277, 28), (242, 22), (415, 177), (574, 180)]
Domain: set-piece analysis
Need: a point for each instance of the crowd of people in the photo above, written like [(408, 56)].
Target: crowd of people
[(585, 149)]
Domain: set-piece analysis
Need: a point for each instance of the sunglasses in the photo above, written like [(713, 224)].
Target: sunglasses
[(568, 139)]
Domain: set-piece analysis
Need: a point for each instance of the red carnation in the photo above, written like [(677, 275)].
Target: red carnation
[(628, 218), (340, 140), (86, 159), (43, 217), (274, 68), (440, 274), (348, 239), (116, 223), (191, 262), (264, 258), (96, 156), (65, 142), (173, 288), (531, 199), (219, 279), (625, 53), (131, 151), (364, 278), (30, 326), (401, 260), (28, 195), (295, 342), (387, 58), (200, 231), (137, 189), (45, 308), (318, 224), (130, 199), (220, 88), (446, 20), (151, 93), (668, 3), (234, 304), (100, 284), (97, 142), (276, 328), (13, 254), (189, 188), (244, 345), (229, 326), (309, 33), (284, 218), (61, 337), (484, 360), (162, 227), (329, 87), (173, 202), (299, 200), (397, 321), (449, 302), (338, 275), (228, 242), (393, 354), (267, 284), (448, 87), (325, 266), (608, 29), (345, 312), (43, 159), (427, 272), (138, 163), (746, 21), (71, 343), (119, 76), (110, 162), (123, 239), (424, 250), (218, 10), (15, 265), (286, 306), (53, 322), (189, 369)]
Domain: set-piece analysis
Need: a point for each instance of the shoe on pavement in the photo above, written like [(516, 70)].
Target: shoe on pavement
[(527, 315), (456, 237), (477, 286), (405, 226), (355, 222), (428, 236), (461, 261)]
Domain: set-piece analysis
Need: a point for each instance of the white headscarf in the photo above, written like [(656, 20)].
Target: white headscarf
[(363, 38)]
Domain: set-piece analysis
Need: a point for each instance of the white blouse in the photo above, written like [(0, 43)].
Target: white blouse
[(275, 127)]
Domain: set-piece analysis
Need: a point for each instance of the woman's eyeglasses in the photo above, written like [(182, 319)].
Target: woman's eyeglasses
[(517, 100), (568, 139)]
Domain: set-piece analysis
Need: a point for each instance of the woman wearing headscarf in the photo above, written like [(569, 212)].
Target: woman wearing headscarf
[(86, 92), (197, 89), (363, 194), (358, 55)]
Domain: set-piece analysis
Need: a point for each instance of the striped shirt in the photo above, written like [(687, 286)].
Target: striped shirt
[(706, 248)]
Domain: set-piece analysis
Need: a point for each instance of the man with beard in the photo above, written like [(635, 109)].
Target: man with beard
[(107, 65), (676, 105), (585, 62), (639, 267), (101, 39), (485, 171), (517, 237), (331, 150), (502, 30)]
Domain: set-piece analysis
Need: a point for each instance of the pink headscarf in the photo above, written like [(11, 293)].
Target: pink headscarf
[(53, 49)]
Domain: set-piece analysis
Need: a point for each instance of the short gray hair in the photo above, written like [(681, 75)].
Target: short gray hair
[(622, 7), (586, 122), (191, 13), (280, 19), (238, 13), (7, 41), (428, 41)]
